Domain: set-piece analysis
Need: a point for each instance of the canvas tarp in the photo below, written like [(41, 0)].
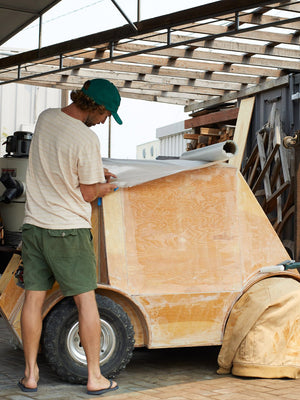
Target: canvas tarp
[(262, 336)]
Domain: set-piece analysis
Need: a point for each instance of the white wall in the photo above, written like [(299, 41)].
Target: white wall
[(148, 151), (20, 105)]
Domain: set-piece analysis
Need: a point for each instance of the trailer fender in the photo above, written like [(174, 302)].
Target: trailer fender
[(134, 310)]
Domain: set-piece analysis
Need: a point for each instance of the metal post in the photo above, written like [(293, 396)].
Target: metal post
[(237, 21), (40, 31), (294, 142), (138, 10), (297, 202), (169, 36), (109, 136), (61, 62), (111, 49)]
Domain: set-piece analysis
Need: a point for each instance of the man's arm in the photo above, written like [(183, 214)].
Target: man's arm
[(92, 192)]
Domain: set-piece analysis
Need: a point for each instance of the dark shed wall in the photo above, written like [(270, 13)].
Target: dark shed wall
[(290, 119)]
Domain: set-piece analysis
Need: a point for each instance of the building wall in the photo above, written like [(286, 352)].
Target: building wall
[(20, 106), (172, 143), (148, 151)]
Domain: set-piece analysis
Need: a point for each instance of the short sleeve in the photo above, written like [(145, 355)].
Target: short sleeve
[(90, 167)]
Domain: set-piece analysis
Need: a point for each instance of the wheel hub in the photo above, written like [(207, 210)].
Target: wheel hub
[(108, 343)]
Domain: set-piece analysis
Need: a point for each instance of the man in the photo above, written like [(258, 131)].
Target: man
[(65, 174)]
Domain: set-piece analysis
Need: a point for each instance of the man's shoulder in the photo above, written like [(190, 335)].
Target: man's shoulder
[(49, 112)]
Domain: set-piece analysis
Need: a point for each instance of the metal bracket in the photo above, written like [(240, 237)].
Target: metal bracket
[(295, 96), (291, 141)]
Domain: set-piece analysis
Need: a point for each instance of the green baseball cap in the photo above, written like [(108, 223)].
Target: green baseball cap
[(103, 92)]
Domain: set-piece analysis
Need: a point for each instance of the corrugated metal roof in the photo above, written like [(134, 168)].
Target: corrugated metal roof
[(193, 57)]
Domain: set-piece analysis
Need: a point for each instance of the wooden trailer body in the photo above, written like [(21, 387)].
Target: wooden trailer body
[(176, 253)]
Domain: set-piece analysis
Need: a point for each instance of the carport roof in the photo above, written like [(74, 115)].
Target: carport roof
[(15, 15), (196, 57)]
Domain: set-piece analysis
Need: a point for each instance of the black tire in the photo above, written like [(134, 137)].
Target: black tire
[(61, 343)]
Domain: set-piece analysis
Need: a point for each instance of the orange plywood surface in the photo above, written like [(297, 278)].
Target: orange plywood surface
[(115, 239), (184, 320), (196, 231)]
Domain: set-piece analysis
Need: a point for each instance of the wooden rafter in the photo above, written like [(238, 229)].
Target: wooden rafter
[(183, 58)]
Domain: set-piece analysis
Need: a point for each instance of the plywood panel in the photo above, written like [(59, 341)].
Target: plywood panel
[(189, 232), (115, 239), (12, 296), (187, 319), (9, 271), (185, 246), (182, 233)]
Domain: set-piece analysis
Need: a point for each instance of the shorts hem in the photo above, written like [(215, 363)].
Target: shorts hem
[(69, 292), (34, 289)]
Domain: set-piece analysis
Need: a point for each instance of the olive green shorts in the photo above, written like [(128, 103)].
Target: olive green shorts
[(63, 255)]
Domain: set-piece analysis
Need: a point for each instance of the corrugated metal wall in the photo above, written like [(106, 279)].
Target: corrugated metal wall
[(173, 145), (289, 109), (287, 101)]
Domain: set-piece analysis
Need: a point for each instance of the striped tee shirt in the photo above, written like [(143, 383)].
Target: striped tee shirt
[(64, 152)]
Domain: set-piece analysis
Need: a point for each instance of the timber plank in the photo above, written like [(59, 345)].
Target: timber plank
[(191, 136), (210, 131), (212, 118), (242, 129), (9, 272)]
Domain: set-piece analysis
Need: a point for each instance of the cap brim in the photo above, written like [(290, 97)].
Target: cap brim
[(117, 118)]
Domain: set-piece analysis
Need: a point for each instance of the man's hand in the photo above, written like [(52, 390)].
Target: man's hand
[(108, 175), (105, 188)]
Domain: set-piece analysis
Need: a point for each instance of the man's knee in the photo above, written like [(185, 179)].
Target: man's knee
[(85, 300)]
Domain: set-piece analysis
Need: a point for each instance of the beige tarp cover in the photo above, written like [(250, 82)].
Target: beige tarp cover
[(262, 336)]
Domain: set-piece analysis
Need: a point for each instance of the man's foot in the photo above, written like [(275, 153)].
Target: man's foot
[(111, 386), (25, 388)]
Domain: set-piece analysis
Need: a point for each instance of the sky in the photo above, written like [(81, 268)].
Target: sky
[(69, 20)]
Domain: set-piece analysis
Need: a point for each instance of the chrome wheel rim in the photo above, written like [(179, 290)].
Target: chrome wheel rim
[(108, 343)]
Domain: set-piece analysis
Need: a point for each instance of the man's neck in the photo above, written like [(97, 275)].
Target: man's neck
[(75, 112)]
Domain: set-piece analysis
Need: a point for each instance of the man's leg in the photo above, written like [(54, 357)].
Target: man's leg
[(31, 326), (89, 330)]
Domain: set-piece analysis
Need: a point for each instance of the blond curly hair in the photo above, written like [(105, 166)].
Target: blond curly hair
[(84, 102)]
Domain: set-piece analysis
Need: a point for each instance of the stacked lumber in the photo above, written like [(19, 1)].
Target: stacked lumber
[(206, 136), (210, 127)]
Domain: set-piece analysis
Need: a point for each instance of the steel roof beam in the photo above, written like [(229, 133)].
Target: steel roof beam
[(114, 35)]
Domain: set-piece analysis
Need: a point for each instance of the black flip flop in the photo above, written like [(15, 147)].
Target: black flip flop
[(24, 388), (101, 391)]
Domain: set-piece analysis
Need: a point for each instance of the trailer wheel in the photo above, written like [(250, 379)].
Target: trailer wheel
[(62, 347)]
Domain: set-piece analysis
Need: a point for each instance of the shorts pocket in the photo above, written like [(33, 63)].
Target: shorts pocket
[(62, 232), (63, 243)]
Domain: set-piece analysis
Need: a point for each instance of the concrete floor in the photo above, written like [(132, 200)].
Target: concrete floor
[(173, 374)]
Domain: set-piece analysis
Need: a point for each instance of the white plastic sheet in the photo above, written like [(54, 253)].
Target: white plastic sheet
[(215, 152), (135, 172)]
